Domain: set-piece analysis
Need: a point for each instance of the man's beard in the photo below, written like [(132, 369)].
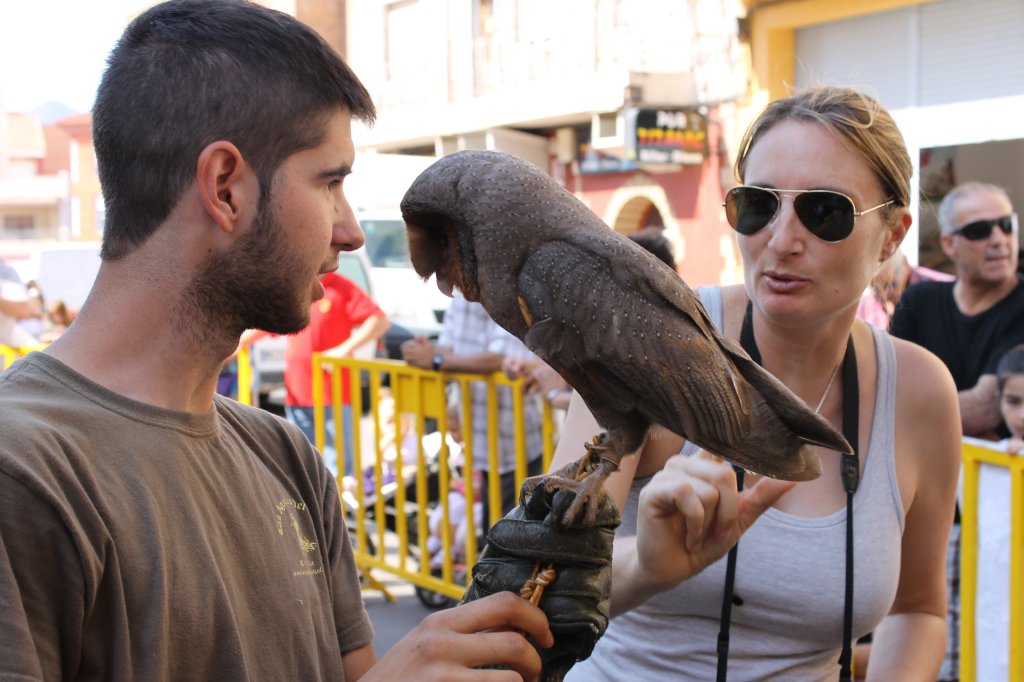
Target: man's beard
[(258, 284)]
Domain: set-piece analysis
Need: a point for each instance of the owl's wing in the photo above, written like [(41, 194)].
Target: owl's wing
[(625, 346), (666, 285)]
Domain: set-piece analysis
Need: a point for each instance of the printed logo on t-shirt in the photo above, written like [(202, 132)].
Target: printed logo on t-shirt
[(294, 522)]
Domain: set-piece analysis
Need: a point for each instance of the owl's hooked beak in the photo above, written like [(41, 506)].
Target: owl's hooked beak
[(444, 284)]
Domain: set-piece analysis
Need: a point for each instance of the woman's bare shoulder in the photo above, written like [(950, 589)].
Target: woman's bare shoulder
[(927, 404), (921, 371)]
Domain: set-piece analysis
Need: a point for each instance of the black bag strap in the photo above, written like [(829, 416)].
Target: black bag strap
[(850, 472), (730, 580)]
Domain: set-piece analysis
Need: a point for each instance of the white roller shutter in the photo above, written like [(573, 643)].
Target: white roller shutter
[(970, 50), (872, 53), (933, 54)]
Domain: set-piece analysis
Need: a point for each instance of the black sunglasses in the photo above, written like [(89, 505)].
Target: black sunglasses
[(826, 214), (982, 229)]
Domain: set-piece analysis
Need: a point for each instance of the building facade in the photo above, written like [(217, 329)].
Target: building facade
[(573, 85), (950, 71), (635, 106), (33, 187), (621, 101)]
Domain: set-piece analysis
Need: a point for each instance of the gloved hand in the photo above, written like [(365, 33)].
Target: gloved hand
[(577, 601)]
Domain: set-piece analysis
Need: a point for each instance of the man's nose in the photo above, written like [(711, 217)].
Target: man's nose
[(346, 234)]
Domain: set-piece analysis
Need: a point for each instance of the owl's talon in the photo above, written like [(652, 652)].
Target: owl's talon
[(584, 477)]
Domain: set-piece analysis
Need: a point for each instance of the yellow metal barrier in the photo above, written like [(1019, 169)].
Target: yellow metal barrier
[(8, 354), (976, 454), (404, 507), (244, 362)]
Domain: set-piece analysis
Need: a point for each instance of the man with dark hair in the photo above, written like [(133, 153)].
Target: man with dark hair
[(150, 529), (653, 239)]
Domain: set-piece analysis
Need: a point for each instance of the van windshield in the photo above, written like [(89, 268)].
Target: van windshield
[(351, 267), (386, 244)]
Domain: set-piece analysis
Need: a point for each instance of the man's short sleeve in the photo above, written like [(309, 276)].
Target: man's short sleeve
[(353, 623), (502, 342), (360, 306), (41, 587)]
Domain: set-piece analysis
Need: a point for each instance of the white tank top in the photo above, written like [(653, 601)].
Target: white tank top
[(790, 579)]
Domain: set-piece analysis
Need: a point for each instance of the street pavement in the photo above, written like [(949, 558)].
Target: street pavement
[(393, 620)]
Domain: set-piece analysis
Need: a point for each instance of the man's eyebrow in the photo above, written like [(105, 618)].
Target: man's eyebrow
[(337, 172)]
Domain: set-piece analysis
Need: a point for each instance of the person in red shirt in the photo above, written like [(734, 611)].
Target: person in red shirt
[(345, 319)]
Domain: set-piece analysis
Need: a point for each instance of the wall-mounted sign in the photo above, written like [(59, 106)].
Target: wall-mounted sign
[(677, 136)]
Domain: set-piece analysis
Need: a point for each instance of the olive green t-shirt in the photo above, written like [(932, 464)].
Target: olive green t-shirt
[(143, 543)]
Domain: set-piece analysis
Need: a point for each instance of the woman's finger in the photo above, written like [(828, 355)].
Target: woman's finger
[(690, 492), (721, 476), (760, 497)]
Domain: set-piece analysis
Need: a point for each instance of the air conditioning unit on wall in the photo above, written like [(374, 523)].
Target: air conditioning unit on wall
[(608, 131)]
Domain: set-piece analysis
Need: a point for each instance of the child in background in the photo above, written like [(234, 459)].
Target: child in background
[(993, 590), (1010, 373)]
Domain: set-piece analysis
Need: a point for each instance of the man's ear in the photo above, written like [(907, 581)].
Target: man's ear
[(228, 186), (946, 241)]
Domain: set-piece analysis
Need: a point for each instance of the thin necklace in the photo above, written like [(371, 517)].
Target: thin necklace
[(828, 387), (850, 472)]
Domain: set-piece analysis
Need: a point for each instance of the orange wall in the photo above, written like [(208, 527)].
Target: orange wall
[(695, 196), (85, 181)]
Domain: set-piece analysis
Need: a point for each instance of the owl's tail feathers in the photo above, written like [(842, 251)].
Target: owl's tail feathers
[(790, 410)]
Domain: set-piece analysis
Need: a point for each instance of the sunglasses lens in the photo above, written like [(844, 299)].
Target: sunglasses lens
[(977, 231), (748, 209), (827, 215), (982, 229)]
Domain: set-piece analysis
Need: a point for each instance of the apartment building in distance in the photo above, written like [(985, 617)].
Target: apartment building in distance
[(636, 106), (619, 100)]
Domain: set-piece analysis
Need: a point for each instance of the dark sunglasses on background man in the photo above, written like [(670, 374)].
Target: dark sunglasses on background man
[(982, 229), (826, 214)]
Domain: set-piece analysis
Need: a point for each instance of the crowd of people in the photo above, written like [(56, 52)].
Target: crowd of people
[(158, 509), (26, 320), (970, 323)]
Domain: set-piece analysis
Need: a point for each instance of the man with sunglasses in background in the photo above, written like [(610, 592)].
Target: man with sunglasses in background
[(969, 324)]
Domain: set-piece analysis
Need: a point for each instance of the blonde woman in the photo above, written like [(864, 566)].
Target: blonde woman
[(823, 201)]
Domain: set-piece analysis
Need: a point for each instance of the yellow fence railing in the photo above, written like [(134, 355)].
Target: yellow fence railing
[(399, 506), (245, 375), (1003, 476), (8, 354), (417, 506)]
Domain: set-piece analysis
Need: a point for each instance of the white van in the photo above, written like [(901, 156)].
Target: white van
[(398, 290)]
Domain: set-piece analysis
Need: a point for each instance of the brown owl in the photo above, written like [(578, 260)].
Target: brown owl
[(619, 325)]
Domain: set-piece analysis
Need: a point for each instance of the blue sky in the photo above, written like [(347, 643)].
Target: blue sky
[(55, 50)]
